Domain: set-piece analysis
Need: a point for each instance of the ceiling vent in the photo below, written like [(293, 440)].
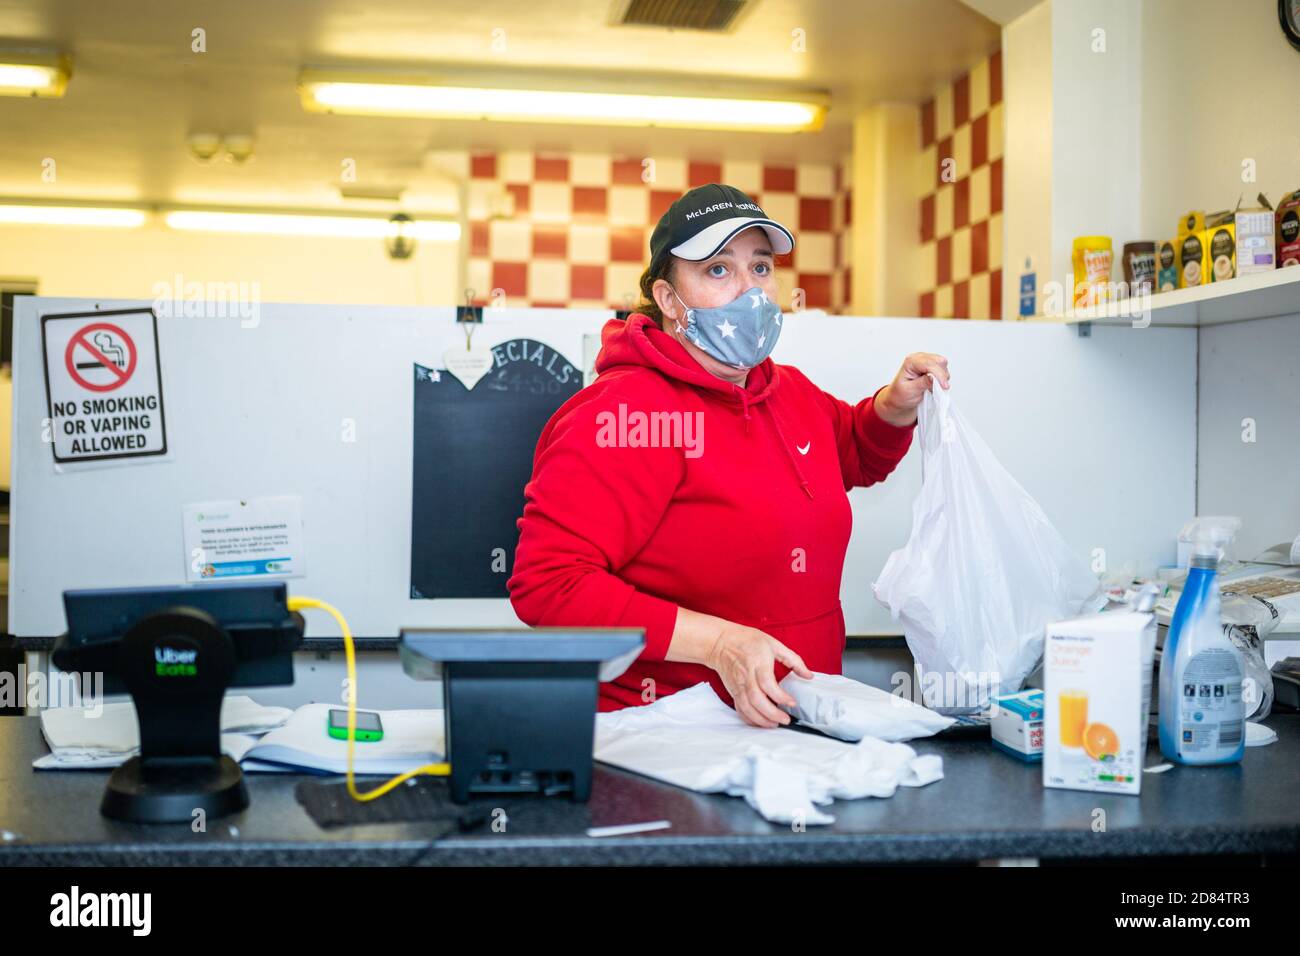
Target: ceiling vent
[(715, 16)]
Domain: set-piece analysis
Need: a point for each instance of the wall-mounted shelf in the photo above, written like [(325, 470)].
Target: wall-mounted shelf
[(1260, 296)]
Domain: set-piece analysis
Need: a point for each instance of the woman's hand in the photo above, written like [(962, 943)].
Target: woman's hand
[(898, 403), (744, 658)]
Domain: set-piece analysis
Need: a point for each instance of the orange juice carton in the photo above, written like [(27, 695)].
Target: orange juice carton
[(1096, 701), (1017, 724)]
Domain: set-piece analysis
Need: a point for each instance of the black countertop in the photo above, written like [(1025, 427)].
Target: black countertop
[(988, 805), (308, 643), (326, 644)]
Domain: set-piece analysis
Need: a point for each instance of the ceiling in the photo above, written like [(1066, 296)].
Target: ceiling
[(138, 89), (1001, 11)]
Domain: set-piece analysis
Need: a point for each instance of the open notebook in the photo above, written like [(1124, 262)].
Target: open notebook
[(411, 739), (261, 738), (107, 735)]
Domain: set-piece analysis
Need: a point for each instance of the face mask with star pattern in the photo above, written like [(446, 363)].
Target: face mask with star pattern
[(741, 333)]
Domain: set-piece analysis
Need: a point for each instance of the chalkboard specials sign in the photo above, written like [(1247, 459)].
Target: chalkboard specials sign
[(472, 456)]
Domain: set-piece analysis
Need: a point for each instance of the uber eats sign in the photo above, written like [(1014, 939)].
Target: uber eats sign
[(174, 661)]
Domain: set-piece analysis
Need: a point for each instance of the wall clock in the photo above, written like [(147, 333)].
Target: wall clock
[(1288, 11)]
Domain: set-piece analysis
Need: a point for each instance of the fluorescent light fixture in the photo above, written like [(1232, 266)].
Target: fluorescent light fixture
[(33, 73), (548, 102), (289, 224), (248, 222), (72, 216)]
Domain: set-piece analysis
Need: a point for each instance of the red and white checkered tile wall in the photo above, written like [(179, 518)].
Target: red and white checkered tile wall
[(579, 234), (841, 229), (961, 214)]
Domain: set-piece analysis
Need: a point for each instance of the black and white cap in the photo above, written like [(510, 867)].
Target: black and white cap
[(708, 217)]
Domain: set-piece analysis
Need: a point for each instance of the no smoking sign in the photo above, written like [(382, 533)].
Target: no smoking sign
[(100, 357), (103, 378)]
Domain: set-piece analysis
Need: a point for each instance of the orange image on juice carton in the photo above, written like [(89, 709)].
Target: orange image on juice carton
[(1100, 741), (1074, 717)]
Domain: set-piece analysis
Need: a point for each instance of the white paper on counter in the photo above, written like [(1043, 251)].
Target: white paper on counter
[(692, 739)]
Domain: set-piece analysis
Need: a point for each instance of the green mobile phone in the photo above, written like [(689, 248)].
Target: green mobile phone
[(369, 729)]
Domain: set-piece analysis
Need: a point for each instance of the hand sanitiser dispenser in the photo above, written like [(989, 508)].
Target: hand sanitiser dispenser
[(1202, 719)]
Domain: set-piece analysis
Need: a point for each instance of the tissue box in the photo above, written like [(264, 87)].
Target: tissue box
[(1017, 724), (1097, 690)]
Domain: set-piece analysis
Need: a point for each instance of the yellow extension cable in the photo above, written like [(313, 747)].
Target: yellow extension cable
[(431, 769)]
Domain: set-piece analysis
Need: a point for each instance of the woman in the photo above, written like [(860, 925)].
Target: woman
[(698, 490)]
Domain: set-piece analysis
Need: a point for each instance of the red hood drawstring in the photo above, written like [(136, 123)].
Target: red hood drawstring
[(744, 406), (639, 341)]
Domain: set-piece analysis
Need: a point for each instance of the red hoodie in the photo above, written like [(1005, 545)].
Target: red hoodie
[(662, 485)]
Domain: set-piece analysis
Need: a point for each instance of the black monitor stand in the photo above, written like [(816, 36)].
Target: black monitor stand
[(176, 665), (176, 650), (519, 707)]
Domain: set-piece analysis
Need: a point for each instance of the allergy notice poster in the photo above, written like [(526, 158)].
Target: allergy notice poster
[(253, 538)]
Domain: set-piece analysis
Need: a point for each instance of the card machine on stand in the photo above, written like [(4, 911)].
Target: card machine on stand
[(519, 706), (176, 650)]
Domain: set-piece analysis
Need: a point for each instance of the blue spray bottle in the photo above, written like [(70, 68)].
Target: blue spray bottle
[(1202, 718)]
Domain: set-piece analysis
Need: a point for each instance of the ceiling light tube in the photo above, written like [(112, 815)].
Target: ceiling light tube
[(33, 73), (289, 224), (42, 215), (614, 105)]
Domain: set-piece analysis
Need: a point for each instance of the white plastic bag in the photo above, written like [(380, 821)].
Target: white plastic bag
[(850, 710), (983, 572), (1247, 620)]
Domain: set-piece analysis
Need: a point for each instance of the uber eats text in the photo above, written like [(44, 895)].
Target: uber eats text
[(170, 662)]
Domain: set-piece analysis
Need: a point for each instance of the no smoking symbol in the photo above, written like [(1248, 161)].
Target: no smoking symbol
[(100, 357)]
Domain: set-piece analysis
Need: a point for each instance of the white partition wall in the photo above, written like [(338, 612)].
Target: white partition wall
[(1249, 428), (1102, 430)]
